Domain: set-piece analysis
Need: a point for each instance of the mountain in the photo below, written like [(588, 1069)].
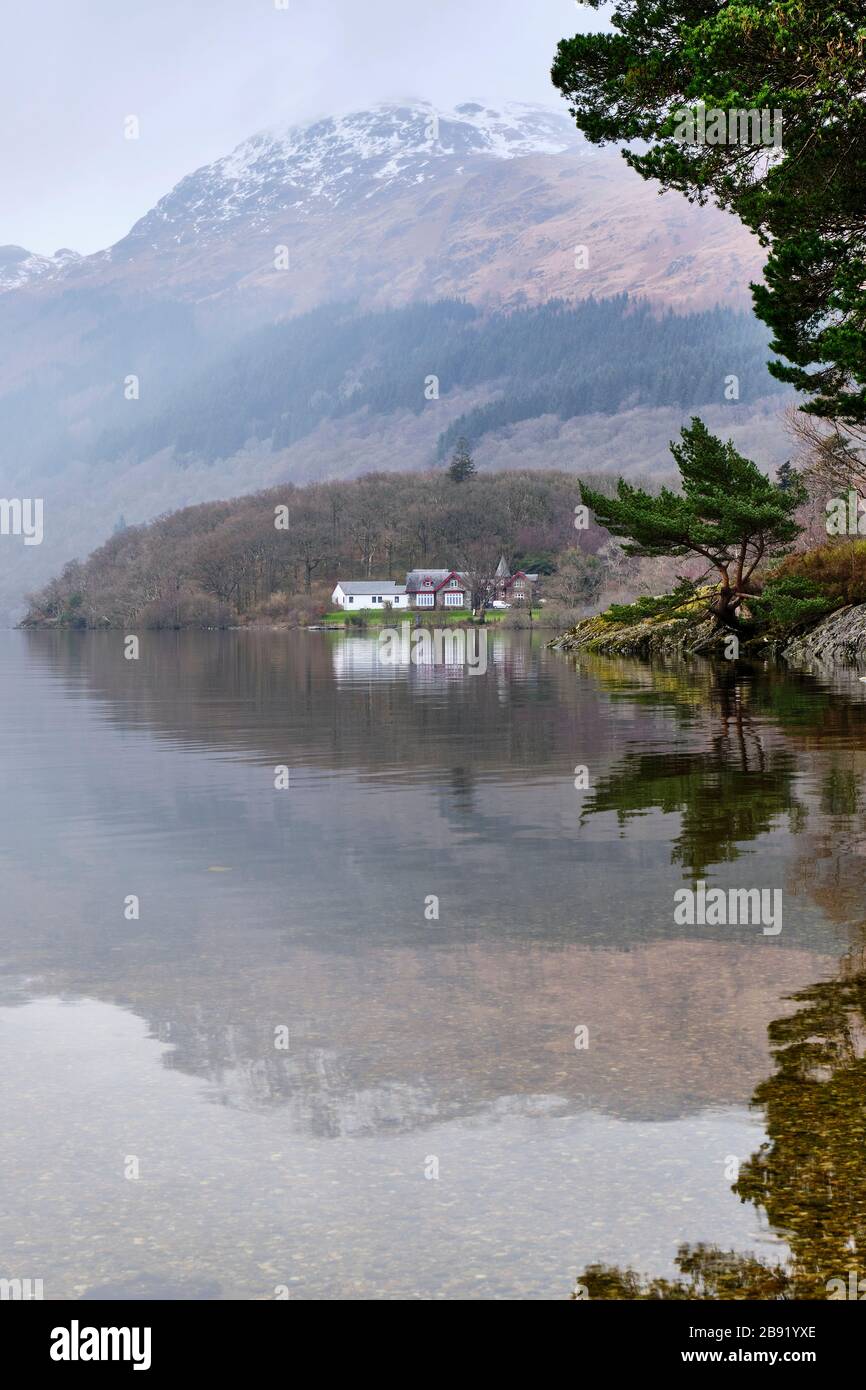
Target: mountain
[(350, 159), (404, 202), (325, 234), (19, 267)]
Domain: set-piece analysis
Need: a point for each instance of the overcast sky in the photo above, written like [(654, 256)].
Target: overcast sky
[(202, 75)]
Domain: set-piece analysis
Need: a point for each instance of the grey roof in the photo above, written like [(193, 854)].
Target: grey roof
[(415, 578), (366, 587), (502, 569)]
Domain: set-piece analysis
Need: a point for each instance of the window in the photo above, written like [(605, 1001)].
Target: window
[(454, 600), (351, 600), (453, 583), (425, 600)]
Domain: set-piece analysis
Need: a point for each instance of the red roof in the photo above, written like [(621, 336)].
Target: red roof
[(418, 580)]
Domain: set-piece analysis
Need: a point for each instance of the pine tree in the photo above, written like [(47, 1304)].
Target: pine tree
[(657, 68), (461, 466), (728, 512)]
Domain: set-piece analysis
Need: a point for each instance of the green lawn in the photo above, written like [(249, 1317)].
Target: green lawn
[(376, 617)]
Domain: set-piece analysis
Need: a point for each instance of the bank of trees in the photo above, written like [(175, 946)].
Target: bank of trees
[(277, 554)]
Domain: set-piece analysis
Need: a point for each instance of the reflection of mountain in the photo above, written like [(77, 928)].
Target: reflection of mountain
[(437, 1031), (165, 770), (396, 1039)]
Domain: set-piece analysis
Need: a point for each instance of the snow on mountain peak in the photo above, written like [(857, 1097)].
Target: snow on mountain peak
[(20, 267), (354, 156)]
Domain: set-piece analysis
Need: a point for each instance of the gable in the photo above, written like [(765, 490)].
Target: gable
[(452, 581)]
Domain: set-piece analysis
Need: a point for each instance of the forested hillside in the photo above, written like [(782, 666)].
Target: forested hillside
[(275, 556), (566, 360)]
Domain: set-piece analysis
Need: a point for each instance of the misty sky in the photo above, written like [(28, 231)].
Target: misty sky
[(202, 75)]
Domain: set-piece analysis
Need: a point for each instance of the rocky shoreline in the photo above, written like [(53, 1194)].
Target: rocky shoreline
[(837, 640)]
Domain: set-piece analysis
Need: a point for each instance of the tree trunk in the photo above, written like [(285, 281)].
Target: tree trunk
[(724, 606)]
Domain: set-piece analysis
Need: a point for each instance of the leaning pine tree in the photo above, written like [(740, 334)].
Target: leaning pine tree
[(728, 512)]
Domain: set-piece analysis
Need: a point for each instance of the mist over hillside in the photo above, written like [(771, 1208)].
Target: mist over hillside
[(597, 356), (285, 312)]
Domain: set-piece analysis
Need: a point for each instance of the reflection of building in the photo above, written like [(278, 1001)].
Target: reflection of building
[(369, 593), (359, 658)]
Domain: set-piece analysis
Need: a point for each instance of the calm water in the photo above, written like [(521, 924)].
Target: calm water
[(418, 1045)]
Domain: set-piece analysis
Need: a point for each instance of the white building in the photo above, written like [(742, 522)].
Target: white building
[(355, 595)]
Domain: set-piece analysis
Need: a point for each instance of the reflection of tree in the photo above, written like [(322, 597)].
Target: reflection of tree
[(728, 792), (708, 1274), (840, 792), (808, 1177), (722, 804), (829, 866)]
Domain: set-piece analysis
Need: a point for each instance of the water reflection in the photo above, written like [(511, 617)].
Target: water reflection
[(807, 1178), (407, 1037)]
